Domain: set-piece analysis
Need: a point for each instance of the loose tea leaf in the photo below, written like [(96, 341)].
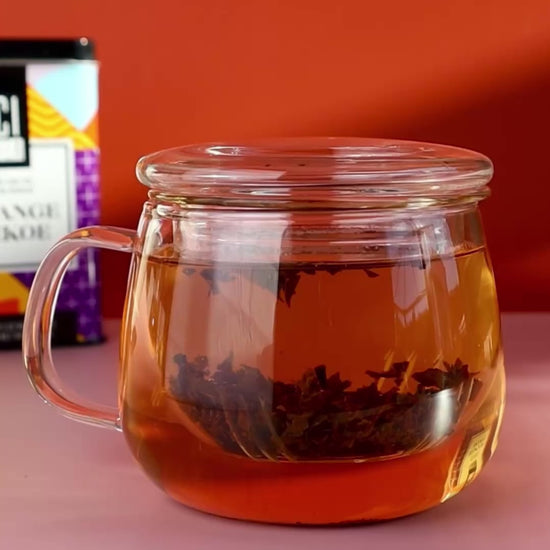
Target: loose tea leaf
[(396, 371), (453, 376), (370, 273), (319, 416), (279, 279), (286, 285), (321, 374), (214, 277)]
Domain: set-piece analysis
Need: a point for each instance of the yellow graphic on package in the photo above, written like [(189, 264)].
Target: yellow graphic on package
[(47, 122), (13, 295), (62, 103)]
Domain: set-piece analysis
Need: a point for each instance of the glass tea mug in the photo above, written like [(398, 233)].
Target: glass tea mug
[(311, 330)]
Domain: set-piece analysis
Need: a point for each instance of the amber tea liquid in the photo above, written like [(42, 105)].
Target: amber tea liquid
[(308, 392)]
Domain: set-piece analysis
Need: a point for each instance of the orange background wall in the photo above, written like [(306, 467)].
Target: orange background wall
[(474, 73)]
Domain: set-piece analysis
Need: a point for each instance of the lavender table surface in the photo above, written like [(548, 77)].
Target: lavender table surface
[(67, 485)]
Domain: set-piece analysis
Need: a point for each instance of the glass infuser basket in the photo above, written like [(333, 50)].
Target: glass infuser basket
[(311, 331)]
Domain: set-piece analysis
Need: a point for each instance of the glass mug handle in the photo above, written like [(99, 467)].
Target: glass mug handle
[(37, 326)]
